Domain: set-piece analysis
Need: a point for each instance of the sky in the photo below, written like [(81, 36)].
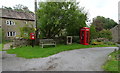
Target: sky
[(106, 8)]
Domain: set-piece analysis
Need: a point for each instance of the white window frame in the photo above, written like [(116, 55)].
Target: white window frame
[(9, 22), (11, 35)]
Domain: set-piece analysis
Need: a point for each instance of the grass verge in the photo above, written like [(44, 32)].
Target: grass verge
[(38, 52), (1, 47), (112, 64)]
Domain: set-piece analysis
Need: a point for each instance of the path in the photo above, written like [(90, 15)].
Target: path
[(90, 59), (7, 46)]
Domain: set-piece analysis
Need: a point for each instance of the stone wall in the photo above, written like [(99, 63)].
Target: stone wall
[(119, 33), (21, 42)]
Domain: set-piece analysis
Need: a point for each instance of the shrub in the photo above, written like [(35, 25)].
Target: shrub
[(25, 31), (95, 42), (105, 34), (109, 43)]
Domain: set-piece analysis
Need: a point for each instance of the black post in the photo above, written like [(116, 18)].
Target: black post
[(36, 32), (32, 43)]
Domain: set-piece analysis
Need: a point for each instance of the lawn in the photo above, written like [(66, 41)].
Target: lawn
[(112, 64), (38, 52), (0, 47)]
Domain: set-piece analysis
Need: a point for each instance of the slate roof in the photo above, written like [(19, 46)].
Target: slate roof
[(11, 14)]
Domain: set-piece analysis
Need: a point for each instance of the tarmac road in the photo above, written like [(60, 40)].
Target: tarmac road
[(90, 59)]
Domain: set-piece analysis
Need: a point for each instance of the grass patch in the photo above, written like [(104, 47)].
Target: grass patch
[(38, 52), (112, 64), (1, 45)]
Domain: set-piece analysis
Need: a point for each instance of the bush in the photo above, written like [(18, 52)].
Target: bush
[(109, 43), (25, 32), (100, 41), (105, 34), (95, 42)]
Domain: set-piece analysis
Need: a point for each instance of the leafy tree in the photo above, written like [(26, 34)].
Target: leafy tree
[(54, 17), (103, 23), (4, 7), (18, 7), (21, 7), (93, 33)]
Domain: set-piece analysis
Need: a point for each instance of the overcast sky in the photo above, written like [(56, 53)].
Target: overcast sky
[(106, 8)]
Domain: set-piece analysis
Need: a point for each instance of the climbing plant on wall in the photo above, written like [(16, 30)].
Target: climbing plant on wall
[(25, 31)]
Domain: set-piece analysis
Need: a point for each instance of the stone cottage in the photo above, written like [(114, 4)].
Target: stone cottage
[(116, 34), (116, 30), (12, 21)]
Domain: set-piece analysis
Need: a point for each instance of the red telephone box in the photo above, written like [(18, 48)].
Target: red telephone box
[(84, 35), (32, 36)]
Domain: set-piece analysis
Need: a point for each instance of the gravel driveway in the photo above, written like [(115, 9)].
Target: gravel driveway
[(90, 59)]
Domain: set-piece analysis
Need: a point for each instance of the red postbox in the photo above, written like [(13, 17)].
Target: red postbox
[(84, 35), (32, 36)]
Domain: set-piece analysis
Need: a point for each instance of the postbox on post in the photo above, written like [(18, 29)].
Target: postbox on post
[(84, 35), (32, 36)]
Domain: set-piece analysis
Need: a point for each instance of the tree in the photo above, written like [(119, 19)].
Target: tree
[(18, 7), (4, 7), (54, 17), (93, 33), (103, 23), (21, 7)]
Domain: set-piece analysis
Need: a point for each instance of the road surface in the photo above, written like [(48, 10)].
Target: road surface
[(90, 59)]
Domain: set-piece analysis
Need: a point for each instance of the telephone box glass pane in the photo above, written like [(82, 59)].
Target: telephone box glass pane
[(87, 37), (82, 37)]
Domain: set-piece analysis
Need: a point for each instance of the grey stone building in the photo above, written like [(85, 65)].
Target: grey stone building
[(116, 34), (11, 21), (116, 30)]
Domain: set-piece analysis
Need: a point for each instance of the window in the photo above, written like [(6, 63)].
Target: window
[(8, 22), (9, 34)]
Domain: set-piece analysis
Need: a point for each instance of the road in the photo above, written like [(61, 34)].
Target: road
[(90, 59)]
